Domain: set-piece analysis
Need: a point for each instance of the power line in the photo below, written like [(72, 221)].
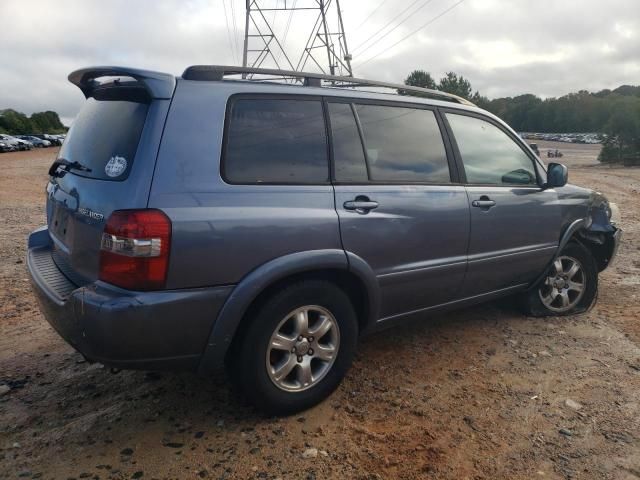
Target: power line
[(235, 26), (413, 32), (286, 29), (371, 14), (275, 10), (386, 25), (226, 19), (394, 28)]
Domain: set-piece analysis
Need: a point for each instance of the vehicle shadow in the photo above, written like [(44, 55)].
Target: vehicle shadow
[(75, 400)]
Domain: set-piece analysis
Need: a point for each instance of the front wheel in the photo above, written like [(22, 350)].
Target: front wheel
[(297, 349), (570, 285)]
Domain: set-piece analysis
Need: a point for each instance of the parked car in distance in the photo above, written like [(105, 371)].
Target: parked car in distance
[(35, 141), (24, 144), (5, 148), (11, 141), (197, 222), (53, 141)]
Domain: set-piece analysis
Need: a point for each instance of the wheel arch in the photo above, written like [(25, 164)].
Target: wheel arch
[(601, 244), (569, 232), (348, 271)]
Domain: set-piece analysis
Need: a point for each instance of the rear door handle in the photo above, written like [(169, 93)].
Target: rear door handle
[(483, 202), (361, 205)]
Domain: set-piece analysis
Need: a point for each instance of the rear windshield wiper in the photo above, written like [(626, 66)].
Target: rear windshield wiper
[(64, 165)]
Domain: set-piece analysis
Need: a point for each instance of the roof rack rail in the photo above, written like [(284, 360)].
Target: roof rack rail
[(218, 72)]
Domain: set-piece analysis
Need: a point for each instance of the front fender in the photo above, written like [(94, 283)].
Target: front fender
[(568, 233), (258, 280)]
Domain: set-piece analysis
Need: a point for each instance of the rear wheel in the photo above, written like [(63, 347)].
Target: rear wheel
[(570, 285), (297, 349)]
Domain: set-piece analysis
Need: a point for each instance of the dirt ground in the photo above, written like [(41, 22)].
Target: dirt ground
[(483, 393)]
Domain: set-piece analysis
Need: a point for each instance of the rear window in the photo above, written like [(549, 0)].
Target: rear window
[(104, 137), (276, 141)]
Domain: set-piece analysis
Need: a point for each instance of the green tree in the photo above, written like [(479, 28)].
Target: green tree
[(456, 84), (16, 123), (615, 114), (622, 132), (418, 78), (46, 122)]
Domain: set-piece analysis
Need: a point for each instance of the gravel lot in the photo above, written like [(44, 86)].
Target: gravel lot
[(482, 393)]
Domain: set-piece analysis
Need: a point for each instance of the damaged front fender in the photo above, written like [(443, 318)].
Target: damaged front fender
[(601, 233)]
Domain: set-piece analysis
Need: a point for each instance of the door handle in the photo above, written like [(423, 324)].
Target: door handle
[(483, 202), (361, 205)]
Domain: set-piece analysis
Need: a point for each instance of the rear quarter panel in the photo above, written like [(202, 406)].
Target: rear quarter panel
[(220, 231)]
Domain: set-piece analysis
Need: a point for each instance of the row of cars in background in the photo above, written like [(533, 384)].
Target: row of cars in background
[(590, 138), (12, 143)]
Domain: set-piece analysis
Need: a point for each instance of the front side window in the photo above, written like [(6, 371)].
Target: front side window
[(403, 144), (489, 155), (276, 141)]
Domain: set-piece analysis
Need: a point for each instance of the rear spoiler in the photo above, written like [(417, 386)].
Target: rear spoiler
[(156, 84)]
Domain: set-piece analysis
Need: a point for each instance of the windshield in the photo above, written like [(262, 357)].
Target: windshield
[(104, 138)]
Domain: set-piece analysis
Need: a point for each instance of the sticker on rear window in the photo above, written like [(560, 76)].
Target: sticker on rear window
[(115, 166)]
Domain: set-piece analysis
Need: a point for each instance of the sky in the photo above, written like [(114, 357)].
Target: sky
[(504, 47)]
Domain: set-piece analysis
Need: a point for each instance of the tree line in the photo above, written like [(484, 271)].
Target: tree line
[(17, 123), (615, 114)]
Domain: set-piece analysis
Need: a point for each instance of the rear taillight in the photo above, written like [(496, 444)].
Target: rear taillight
[(135, 249)]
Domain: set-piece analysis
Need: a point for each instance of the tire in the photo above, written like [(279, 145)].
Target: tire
[(257, 366), (557, 293)]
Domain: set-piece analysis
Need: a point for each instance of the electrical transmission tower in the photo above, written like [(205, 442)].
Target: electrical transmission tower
[(265, 41)]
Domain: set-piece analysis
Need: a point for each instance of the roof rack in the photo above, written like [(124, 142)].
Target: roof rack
[(218, 72)]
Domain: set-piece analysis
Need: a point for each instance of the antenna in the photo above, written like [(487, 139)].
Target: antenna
[(326, 45)]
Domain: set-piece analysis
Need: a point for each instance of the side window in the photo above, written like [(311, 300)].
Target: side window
[(276, 141), (489, 155), (348, 154), (403, 144)]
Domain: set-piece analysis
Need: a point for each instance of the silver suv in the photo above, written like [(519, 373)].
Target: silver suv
[(224, 218)]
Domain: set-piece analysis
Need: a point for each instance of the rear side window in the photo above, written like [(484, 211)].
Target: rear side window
[(403, 144), (276, 141), (489, 155), (104, 137), (348, 154)]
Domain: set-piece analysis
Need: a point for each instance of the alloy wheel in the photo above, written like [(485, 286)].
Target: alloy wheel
[(303, 348), (564, 286)]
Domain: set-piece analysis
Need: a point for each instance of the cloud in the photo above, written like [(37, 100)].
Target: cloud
[(503, 47)]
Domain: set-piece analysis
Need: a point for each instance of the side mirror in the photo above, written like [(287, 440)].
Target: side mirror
[(557, 175)]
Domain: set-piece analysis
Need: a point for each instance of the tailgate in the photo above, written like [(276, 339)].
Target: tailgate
[(115, 138)]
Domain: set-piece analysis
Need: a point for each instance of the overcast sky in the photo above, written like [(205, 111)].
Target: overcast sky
[(504, 47)]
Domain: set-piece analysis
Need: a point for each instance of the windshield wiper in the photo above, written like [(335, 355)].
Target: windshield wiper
[(64, 165)]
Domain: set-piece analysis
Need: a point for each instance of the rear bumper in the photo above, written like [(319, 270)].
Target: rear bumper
[(121, 328)]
